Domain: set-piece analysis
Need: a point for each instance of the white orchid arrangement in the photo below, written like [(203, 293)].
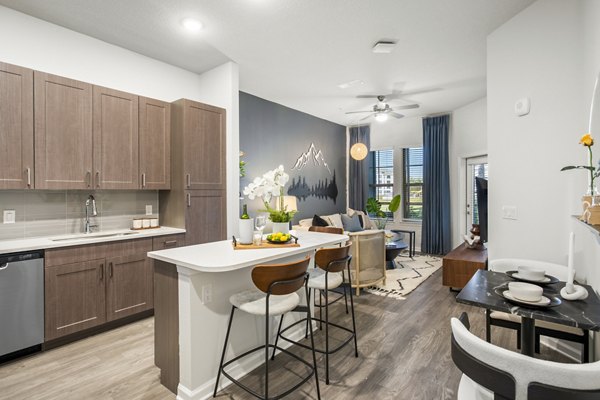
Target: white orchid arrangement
[(266, 187)]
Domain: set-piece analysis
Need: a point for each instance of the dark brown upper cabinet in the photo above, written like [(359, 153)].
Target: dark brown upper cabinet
[(16, 127), (63, 132), (155, 144), (115, 116), (204, 150)]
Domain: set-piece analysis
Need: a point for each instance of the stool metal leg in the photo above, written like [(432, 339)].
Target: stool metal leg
[(312, 343), (277, 337), (320, 309), (267, 349), (345, 298), (224, 350), (353, 321), (326, 331), (307, 302)]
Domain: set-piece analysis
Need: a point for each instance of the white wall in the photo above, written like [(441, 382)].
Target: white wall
[(397, 133), (468, 138), (550, 52), (39, 45), (538, 54)]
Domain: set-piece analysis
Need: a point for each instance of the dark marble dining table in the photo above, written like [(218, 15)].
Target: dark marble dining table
[(480, 291)]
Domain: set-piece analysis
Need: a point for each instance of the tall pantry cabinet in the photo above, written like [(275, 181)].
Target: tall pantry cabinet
[(197, 197)]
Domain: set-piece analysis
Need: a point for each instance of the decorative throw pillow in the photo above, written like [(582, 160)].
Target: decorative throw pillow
[(351, 224), (306, 223), (318, 221), (366, 221), (335, 220), (351, 212)]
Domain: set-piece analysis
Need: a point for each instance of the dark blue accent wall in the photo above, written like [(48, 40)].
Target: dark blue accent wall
[(272, 134)]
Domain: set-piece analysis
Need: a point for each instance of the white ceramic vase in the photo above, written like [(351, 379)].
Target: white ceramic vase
[(283, 227), (246, 230)]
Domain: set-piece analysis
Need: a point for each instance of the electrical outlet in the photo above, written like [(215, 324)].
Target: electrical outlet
[(206, 294), (10, 216), (509, 212), (148, 209)]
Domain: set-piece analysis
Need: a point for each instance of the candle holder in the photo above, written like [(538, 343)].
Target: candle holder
[(573, 292)]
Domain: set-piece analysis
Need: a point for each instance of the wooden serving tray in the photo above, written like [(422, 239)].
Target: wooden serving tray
[(264, 245)]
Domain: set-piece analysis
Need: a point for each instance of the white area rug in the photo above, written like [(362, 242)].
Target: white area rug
[(407, 276)]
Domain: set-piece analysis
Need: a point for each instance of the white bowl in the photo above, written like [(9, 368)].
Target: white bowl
[(531, 274), (525, 291)]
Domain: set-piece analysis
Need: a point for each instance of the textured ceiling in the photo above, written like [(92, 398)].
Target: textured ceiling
[(296, 52)]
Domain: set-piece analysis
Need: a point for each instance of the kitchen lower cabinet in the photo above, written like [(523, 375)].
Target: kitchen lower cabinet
[(128, 285), (75, 298), (88, 286)]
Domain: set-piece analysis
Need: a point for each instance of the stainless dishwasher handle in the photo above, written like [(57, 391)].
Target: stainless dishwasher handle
[(4, 266)]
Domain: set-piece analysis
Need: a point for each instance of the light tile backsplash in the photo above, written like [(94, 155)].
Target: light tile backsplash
[(54, 212)]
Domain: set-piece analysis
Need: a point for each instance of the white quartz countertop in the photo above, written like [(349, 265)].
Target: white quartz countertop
[(221, 257), (40, 243)]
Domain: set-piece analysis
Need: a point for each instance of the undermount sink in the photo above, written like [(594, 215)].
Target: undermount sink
[(94, 236)]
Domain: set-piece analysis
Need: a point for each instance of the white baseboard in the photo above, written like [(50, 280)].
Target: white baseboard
[(237, 370)]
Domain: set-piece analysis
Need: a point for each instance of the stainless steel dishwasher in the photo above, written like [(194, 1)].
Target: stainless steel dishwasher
[(21, 301)]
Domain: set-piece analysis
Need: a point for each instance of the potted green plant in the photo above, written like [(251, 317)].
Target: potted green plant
[(374, 208)]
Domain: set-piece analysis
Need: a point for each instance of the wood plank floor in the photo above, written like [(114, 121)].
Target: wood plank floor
[(404, 353)]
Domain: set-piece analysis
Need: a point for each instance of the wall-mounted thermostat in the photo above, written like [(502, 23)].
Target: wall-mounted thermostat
[(522, 106)]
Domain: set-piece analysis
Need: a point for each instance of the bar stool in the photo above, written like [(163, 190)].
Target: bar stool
[(330, 262), (279, 282), (337, 231)]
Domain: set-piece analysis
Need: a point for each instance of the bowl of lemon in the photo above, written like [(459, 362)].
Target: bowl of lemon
[(279, 238)]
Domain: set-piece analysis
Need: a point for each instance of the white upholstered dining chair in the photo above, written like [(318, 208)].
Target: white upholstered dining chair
[(542, 328), (491, 372)]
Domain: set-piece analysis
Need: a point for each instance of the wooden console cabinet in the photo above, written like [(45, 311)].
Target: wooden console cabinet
[(461, 264)]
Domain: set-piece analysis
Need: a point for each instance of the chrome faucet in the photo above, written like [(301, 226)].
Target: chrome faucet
[(91, 201)]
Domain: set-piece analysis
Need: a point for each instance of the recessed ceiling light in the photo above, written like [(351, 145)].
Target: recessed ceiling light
[(191, 24), (384, 47)]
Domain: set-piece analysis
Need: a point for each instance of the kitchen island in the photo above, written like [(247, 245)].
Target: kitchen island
[(192, 289)]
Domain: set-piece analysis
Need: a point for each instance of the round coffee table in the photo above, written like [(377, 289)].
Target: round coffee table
[(392, 250)]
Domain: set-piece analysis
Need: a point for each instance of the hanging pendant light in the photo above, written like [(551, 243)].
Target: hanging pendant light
[(359, 151)]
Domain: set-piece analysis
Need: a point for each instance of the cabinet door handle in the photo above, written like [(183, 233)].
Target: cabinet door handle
[(144, 180), (28, 177), (188, 180), (189, 200), (110, 270), (101, 272), (97, 178), (170, 243), (88, 178)]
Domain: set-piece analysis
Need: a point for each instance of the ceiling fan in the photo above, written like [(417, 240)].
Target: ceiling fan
[(382, 110)]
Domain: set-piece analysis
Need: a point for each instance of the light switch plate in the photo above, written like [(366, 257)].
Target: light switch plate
[(10, 216), (509, 212), (148, 209)]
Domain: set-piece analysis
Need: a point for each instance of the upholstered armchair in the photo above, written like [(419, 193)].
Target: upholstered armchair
[(368, 258)]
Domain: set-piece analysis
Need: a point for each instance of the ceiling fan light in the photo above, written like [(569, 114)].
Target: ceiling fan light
[(381, 117), (359, 151)]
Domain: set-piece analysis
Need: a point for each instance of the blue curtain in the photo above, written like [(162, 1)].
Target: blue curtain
[(436, 233), (359, 170)]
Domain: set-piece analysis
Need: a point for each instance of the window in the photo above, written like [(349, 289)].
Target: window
[(477, 167), (381, 176), (413, 183)]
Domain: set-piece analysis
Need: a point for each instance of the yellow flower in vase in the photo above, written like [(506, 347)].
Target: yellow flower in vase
[(587, 140)]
